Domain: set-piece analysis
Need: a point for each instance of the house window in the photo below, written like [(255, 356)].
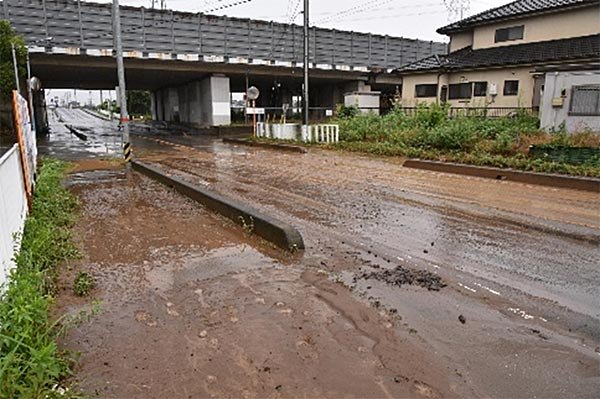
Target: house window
[(585, 100), (460, 91), (511, 87), (426, 90), (479, 89), (508, 34)]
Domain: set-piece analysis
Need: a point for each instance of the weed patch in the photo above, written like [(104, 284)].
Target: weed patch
[(429, 133), (83, 283), (30, 363)]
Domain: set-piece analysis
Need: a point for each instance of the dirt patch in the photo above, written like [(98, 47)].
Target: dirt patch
[(400, 276), (83, 165)]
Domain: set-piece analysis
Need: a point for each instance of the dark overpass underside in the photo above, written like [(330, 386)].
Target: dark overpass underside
[(60, 71)]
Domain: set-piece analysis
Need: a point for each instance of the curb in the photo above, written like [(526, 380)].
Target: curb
[(542, 179), (96, 115), (273, 146), (279, 233), (76, 132)]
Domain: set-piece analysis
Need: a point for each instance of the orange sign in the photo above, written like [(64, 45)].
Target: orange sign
[(27, 142)]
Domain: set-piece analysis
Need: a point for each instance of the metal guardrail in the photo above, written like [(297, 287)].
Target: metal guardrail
[(78, 24)]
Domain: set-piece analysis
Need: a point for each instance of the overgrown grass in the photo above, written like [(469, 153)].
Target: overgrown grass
[(429, 133), (30, 362)]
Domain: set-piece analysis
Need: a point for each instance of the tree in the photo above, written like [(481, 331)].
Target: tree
[(7, 79), (7, 75), (138, 102)]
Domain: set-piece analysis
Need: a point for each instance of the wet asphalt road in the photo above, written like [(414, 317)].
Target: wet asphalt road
[(538, 240), (520, 260)]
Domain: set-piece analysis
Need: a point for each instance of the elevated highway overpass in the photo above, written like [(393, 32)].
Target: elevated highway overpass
[(184, 57)]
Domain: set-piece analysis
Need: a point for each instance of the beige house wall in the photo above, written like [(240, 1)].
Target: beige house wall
[(495, 76), (461, 40), (563, 25), (408, 89)]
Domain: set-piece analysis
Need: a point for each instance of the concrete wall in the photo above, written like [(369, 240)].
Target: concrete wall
[(13, 209), (494, 76), (553, 115), (87, 25), (562, 25), (367, 102)]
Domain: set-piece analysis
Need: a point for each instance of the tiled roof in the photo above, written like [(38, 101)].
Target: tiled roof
[(515, 9), (578, 48)]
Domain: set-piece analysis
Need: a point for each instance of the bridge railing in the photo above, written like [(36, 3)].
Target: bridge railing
[(196, 36)]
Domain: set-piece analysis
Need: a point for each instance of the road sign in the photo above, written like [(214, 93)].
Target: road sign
[(255, 111), (253, 93)]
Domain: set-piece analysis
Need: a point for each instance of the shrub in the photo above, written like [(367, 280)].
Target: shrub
[(345, 111)]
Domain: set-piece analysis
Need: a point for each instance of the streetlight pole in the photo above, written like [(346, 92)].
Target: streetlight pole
[(121, 76), (306, 53)]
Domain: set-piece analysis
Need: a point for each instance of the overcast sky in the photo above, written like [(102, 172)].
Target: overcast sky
[(408, 18)]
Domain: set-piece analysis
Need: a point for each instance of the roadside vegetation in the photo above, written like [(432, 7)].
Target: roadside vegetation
[(428, 133), (9, 38), (31, 366)]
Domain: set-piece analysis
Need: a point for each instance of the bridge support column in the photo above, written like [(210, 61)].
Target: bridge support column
[(203, 103), (214, 102), (166, 105), (154, 106)]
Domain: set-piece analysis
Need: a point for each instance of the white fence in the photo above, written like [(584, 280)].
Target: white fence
[(13, 210), (323, 134), (293, 131)]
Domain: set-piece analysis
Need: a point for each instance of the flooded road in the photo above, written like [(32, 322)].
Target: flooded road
[(518, 317)]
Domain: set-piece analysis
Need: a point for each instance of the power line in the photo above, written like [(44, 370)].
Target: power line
[(226, 6), (295, 12), (355, 10), (381, 17)]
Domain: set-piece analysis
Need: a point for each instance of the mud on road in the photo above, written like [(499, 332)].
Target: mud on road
[(190, 306), (193, 307), (516, 258)]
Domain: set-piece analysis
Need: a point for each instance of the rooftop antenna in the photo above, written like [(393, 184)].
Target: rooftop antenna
[(457, 9)]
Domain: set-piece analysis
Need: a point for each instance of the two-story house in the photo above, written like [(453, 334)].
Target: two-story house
[(500, 57)]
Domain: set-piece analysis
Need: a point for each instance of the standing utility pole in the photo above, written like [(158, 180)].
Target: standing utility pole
[(15, 65), (306, 53), (30, 93), (124, 121)]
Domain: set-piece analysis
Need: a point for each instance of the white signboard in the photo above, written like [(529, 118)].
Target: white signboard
[(257, 111)]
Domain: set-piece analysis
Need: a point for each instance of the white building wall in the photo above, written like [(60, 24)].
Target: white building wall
[(556, 101)]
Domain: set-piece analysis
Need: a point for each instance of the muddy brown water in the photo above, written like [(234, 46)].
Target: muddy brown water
[(193, 307)]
